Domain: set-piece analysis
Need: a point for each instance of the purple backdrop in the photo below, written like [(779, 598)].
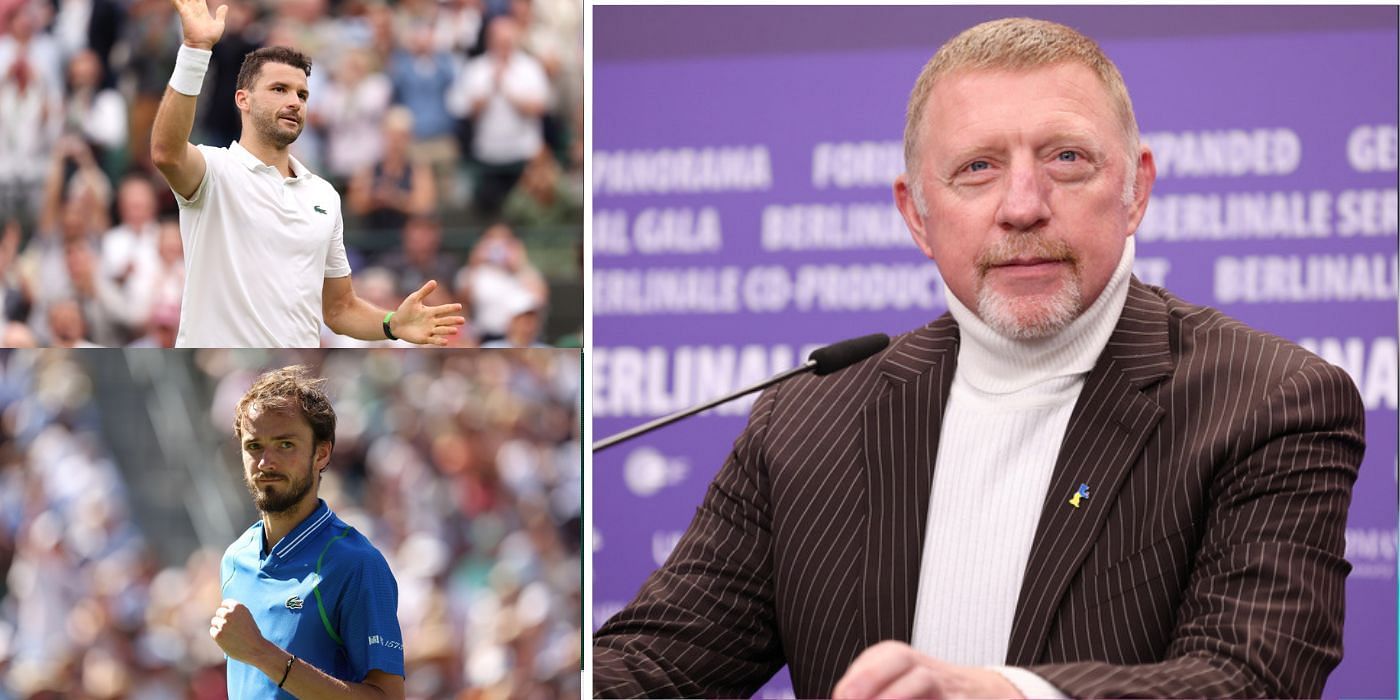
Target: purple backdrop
[(742, 215)]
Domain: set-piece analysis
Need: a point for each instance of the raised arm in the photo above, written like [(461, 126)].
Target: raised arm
[(171, 151)]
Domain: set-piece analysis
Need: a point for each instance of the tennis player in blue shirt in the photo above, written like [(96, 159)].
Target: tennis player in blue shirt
[(310, 607)]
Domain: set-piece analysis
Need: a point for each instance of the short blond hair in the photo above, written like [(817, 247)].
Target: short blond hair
[(1015, 43)]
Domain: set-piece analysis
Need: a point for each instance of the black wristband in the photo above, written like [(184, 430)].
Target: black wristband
[(388, 333), (287, 671)]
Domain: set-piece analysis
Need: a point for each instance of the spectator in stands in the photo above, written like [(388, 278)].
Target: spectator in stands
[(348, 25), (70, 26), (96, 297), (66, 326), (43, 266), (74, 176), (131, 262), (90, 25), (303, 24), (379, 18), (421, 257), (457, 27), (168, 284), (74, 212), (398, 185), (152, 41), (351, 111), (27, 42), (537, 39), (31, 105), (543, 197), (504, 92), (523, 329), (165, 289), (162, 327), (421, 76), (551, 31), (96, 113), (496, 271)]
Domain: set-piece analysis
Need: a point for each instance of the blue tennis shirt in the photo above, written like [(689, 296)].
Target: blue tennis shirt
[(324, 593)]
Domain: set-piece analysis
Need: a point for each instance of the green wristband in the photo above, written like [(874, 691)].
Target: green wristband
[(388, 333)]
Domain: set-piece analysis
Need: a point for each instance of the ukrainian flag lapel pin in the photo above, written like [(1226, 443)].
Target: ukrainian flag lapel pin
[(1081, 494)]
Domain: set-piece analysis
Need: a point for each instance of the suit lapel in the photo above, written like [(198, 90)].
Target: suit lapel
[(900, 434), (1107, 430)]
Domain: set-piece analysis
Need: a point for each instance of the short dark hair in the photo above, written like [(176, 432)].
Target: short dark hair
[(290, 388), (253, 63)]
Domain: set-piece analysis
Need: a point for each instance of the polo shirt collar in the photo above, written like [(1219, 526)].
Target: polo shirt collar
[(252, 162), (317, 521)]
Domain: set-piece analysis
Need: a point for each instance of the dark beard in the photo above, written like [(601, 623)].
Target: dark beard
[(273, 503), (270, 131)]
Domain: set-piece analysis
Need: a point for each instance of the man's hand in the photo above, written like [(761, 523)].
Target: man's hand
[(418, 323), (201, 29), (234, 630), (895, 670)]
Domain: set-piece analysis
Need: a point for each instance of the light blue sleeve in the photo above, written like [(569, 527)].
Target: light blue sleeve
[(226, 568), (369, 615)]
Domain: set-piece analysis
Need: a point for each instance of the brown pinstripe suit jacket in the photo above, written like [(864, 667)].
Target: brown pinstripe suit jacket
[(1207, 563)]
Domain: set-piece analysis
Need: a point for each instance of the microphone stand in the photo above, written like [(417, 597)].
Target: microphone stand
[(647, 427)]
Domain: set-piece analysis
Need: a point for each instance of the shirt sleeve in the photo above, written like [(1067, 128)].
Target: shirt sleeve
[(337, 264), (369, 616), (211, 160), (226, 568)]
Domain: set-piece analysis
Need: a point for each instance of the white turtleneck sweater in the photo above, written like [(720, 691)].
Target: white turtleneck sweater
[(1002, 427)]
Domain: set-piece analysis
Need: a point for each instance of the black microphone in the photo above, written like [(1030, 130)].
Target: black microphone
[(822, 361), (841, 355)]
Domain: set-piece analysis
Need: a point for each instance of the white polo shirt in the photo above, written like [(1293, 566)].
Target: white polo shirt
[(258, 247)]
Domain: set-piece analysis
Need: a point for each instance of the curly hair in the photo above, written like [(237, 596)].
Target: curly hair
[(288, 388)]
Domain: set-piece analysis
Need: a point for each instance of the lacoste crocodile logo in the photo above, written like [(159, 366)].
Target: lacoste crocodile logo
[(318, 209), (294, 603)]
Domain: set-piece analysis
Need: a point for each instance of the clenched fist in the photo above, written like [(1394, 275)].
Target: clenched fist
[(234, 630)]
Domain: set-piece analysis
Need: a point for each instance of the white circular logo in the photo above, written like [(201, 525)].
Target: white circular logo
[(647, 471)]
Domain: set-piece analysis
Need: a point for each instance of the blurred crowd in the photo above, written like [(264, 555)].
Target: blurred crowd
[(462, 468), (452, 129)]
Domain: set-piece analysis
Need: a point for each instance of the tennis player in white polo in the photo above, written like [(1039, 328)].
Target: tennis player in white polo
[(264, 239)]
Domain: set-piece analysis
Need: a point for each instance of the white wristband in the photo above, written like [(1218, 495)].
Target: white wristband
[(190, 65)]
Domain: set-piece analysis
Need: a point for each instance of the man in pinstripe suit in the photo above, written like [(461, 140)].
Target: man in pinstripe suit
[(1073, 484)]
